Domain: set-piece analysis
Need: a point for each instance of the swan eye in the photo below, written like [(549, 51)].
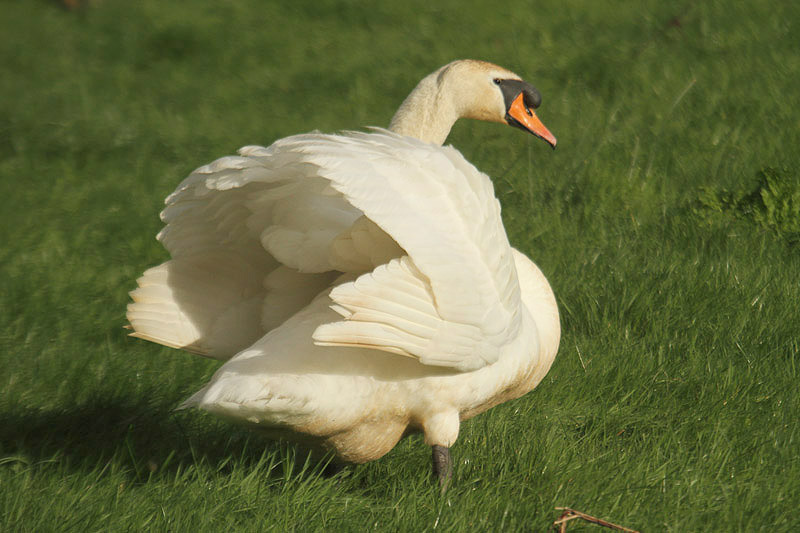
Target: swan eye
[(497, 81)]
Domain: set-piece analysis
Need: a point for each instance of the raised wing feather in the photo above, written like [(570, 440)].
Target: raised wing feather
[(443, 213), (311, 205), (253, 239), (393, 309)]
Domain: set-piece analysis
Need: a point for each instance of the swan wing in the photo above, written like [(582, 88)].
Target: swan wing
[(264, 201), (253, 238), (272, 227), (454, 299)]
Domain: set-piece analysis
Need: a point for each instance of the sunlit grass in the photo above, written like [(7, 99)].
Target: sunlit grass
[(673, 403)]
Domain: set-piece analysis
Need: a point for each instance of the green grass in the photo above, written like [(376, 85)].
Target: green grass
[(673, 404)]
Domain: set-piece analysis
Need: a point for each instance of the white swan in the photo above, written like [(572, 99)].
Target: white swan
[(360, 286)]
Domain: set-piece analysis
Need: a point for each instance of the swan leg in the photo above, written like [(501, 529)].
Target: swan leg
[(442, 465)]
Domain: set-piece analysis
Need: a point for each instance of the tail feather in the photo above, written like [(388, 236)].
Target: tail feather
[(209, 304)]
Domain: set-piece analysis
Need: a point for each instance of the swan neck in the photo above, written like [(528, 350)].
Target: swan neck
[(428, 113)]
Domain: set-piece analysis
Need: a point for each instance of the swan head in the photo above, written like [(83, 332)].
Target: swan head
[(469, 89), (494, 94)]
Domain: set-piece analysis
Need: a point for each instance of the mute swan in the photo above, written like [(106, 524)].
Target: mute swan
[(361, 286)]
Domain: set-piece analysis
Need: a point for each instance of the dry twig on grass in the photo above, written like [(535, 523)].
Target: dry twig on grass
[(571, 514)]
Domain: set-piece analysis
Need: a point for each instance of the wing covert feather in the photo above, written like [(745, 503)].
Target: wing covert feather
[(443, 213)]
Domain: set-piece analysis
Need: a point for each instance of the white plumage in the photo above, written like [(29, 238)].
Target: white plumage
[(358, 286)]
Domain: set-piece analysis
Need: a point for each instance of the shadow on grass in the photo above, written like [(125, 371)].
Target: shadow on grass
[(145, 440)]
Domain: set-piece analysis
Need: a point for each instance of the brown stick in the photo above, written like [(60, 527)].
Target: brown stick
[(571, 514)]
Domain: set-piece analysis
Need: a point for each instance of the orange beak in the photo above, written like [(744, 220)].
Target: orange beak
[(528, 120)]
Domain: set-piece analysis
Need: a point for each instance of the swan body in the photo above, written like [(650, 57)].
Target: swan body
[(358, 286)]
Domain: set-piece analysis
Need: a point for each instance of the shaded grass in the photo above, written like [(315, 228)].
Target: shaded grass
[(673, 402)]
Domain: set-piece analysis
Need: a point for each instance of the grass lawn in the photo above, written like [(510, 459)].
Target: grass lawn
[(674, 402)]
